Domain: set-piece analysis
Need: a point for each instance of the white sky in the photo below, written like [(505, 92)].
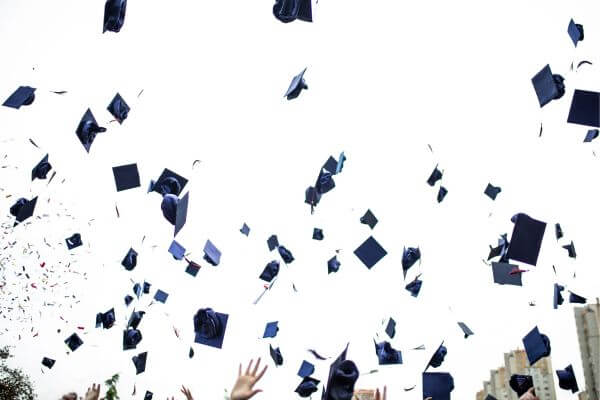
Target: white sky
[(385, 79)]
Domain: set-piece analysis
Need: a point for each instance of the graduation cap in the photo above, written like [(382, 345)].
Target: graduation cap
[(161, 296), (312, 197), (276, 355), (175, 210), (271, 330), (118, 108), (147, 287), (128, 300), (340, 163), (140, 362), (270, 272), (107, 319), (520, 383), (245, 229), (591, 135), (192, 268), (317, 234), (135, 319), (307, 387), (333, 265), (126, 177), (437, 385), (210, 327), (441, 194), (306, 369), (435, 176), (575, 32), (73, 342), (558, 299), (177, 250), (391, 328), (342, 377), (567, 380), (325, 182), (492, 191), (331, 165), (23, 96), (558, 230), (370, 252), (585, 108), (438, 357), (297, 85), (131, 338), (212, 255), (387, 354), (290, 10), (369, 219), (501, 250), (468, 332), (409, 257), (87, 130), (285, 254), (503, 276), (574, 298), (114, 15), (48, 362), (169, 182), (526, 239), (547, 86), (272, 242), (570, 249), (148, 395), (414, 287), (130, 260), (23, 209), (73, 241), (42, 168), (537, 345)]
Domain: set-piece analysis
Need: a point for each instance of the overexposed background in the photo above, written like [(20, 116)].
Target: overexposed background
[(385, 79)]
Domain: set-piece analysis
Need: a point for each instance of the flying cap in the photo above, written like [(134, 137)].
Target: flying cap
[(23, 96), (537, 345), (548, 86), (119, 108), (526, 239), (290, 10), (87, 130), (296, 86), (114, 15), (370, 252), (126, 177), (40, 171), (210, 327)]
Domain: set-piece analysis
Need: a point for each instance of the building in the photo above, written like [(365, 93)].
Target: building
[(587, 320)]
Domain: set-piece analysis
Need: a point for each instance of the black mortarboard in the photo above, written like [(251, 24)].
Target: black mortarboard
[(177, 250), (42, 168), (312, 196), (585, 108), (570, 249), (130, 260), (107, 319), (131, 338), (147, 286), (48, 362), (325, 182), (285, 254), (73, 342), (73, 241), (575, 32), (114, 15), (23, 96), (306, 369), (558, 299), (289, 10), (276, 355), (210, 327), (492, 191), (468, 332), (387, 354), (438, 357), (271, 330), (161, 296), (137, 290), (370, 252), (126, 177), (567, 380), (181, 213), (441, 194), (435, 176), (128, 300), (520, 383), (558, 230), (574, 298), (118, 108), (297, 84), (135, 319), (148, 395), (270, 271), (437, 385), (369, 219), (23, 209), (212, 255), (526, 239), (317, 234), (140, 362), (409, 257), (192, 268), (591, 135), (245, 229), (333, 265), (342, 377), (169, 182), (272, 242), (502, 275), (87, 130), (537, 345), (414, 287), (547, 86), (390, 329), (331, 165), (307, 387)]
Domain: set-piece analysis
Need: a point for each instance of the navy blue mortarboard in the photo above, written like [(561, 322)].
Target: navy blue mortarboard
[(270, 272), (574, 298), (342, 377), (575, 32), (148, 395), (181, 213), (192, 268), (547, 86), (391, 328), (441, 194), (290, 10), (307, 387), (558, 231), (317, 234), (126, 177), (73, 241), (331, 165), (23, 209), (161, 296), (177, 250), (325, 182), (521, 383), (73, 342), (312, 197), (130, 260), (42, 168), (502, 274), (387, 354), (118, 108), (306, 369), (537, 345), (107, 319), (137, 290), (591, 135), (438, 357), (492, 191), (570, 249), (437, 385), (140, 362), (585, 108), (567, 380), (409, 257), (276, 355), (114, 15), (169, 182), (369, 219), (435, 176), (526, 239), (131, 338), (212, 255), (468, 332), (272, 242), (501, 249), (245, 229), (297, 85), (558, 299), (370, 252), (285, 254), (135, 319), (128, 300), (87, 130), (147, 286), (48, 362), (271, 330), (414, 287), (333, 265), (210, 327), (23, 96)]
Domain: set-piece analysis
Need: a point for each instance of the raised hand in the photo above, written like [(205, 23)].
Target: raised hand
[(378, 394), (93, 393), (529, 395), (186, 392), (244, 386)]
